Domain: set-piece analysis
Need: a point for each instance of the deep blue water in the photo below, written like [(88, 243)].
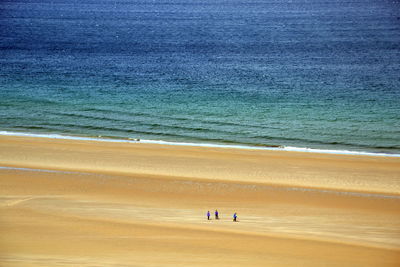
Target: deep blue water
[(318, 74)]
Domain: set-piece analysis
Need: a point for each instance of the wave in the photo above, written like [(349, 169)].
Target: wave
[(206, 125), (138, 125), (64, 126), (177, 118), (139, 122), (236, 146), (161, 134), (311, 141), (159, 129)]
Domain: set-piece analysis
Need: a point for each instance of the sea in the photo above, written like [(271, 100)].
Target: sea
[(304, 75)]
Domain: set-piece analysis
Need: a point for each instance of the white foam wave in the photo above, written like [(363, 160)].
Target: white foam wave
[(161, 142)]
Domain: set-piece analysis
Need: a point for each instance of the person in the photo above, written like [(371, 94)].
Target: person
[(208, 215), (234, 217), (216, 215)]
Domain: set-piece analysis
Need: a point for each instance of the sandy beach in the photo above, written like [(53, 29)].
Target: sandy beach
[(88, 203)]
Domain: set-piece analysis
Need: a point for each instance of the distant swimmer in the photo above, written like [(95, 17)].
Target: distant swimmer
[(216, 215), (208, 215), (234, 217)]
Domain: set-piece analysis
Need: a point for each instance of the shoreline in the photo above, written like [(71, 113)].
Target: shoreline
[(206, 145), (357, 174)]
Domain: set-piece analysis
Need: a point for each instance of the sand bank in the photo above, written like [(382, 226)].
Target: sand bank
[(86, 203)]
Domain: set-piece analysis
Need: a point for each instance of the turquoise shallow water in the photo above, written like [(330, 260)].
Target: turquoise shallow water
[(316, 74)]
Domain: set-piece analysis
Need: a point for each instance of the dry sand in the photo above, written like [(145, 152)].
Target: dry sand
[(87, 203)]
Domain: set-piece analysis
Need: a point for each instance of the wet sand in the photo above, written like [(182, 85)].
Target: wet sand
[(86, 203)]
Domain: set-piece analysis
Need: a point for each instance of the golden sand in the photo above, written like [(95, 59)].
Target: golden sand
[(123, 204)]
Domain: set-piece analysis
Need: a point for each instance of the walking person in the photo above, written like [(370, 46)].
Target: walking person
[(216, 215), (234, 217), (208, 215)]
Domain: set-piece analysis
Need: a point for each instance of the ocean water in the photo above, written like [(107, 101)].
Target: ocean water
[(290, 73)]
